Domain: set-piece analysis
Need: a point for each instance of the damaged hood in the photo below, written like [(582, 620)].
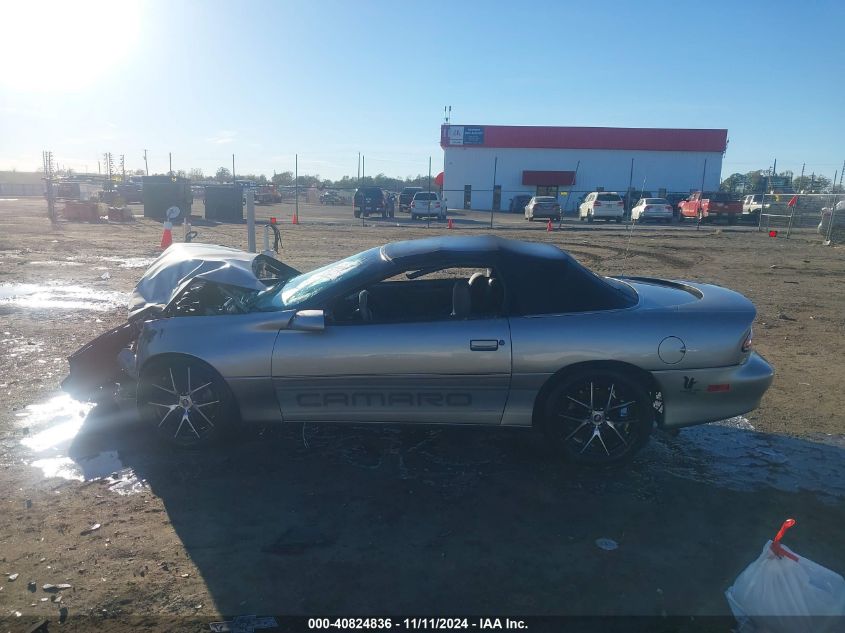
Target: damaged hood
[(183, 262)]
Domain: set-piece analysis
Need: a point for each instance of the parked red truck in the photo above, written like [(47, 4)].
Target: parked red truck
[(702, 206)]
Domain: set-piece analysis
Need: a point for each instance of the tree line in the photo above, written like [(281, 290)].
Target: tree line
[(305, 181), (760, 181)]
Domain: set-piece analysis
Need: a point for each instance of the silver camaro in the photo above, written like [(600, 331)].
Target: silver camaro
[(444, 330)]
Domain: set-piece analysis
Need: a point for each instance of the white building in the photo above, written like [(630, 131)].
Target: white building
[(543, 161)]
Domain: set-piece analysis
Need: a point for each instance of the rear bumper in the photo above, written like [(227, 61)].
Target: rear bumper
[(697, 396)]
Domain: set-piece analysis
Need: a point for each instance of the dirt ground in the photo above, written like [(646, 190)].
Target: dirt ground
[(369, 520)]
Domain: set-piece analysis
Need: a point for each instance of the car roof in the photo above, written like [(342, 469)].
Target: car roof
[(459, 247)]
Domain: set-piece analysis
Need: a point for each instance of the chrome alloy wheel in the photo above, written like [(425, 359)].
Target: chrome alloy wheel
[(184, 401), (600, 418)]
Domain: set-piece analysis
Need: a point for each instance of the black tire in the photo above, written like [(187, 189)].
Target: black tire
[(185, 401), (612, 430), (589, 216), (357, 214), (618, 220)]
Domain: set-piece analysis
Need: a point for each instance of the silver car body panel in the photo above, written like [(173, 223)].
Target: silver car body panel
[(687, 336), (184, 262)]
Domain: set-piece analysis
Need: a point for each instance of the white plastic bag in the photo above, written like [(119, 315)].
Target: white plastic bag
[(781, 592)]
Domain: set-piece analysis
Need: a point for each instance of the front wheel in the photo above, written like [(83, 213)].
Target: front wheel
[(598, 417), (185, 401)]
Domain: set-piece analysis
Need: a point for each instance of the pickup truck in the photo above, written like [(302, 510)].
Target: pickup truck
[(703, 206), (406, 196)]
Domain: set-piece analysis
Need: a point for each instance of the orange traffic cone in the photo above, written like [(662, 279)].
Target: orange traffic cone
[(549, 226), (451, 225), (295, 219), (167, 236)]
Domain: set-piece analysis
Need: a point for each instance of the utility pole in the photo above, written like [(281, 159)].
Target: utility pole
[(47, 157), (630, 185), (170, 161), (569, 194), (428, 217), (233, 169), (359, 169), (146, 165), (296, 187), (495, 168)]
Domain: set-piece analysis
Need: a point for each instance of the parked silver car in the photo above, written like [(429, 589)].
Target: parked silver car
[(542, 207), (444, 330)]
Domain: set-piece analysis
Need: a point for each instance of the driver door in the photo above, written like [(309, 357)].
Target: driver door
[(399, 365)]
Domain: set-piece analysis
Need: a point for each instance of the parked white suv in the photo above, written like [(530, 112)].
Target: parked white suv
[(427, 204), (602, 205)]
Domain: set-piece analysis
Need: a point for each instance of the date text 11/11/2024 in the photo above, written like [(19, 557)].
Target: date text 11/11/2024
[(418, 623)]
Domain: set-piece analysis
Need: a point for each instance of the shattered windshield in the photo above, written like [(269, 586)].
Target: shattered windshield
[(302, 287)]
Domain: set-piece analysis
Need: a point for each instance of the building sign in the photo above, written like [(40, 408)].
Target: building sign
[(548, 178), (465, 135)]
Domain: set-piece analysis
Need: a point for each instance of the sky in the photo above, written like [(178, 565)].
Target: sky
[(269, 79)]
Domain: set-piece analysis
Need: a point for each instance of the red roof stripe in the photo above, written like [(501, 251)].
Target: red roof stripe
[(614, 138)]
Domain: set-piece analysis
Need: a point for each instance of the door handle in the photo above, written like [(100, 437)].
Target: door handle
[(484, 345)]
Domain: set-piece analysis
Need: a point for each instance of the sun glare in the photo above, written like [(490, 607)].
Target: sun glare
[(56, 46)]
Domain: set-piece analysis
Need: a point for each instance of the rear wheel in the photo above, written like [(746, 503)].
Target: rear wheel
[(598, 417), (589, 216), (185, 401)]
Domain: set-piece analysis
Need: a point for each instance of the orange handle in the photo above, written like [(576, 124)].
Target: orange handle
[(777, 548)]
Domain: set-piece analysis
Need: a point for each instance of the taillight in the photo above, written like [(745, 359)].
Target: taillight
[(647, 209), (747, 344), (597, 203), (620, 203), (437, 204), (668, 208)]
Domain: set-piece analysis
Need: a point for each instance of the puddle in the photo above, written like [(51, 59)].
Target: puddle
[(57, 296), (105, 466), (130, 262), (730, 454), (52, 427), (54, 263)]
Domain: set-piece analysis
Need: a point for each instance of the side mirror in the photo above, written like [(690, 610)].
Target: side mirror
[(308, 321)]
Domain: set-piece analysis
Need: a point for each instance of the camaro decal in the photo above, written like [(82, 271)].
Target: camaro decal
[(377, 399)]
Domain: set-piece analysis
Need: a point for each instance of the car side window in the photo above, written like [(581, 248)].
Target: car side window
[(444, 294)]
